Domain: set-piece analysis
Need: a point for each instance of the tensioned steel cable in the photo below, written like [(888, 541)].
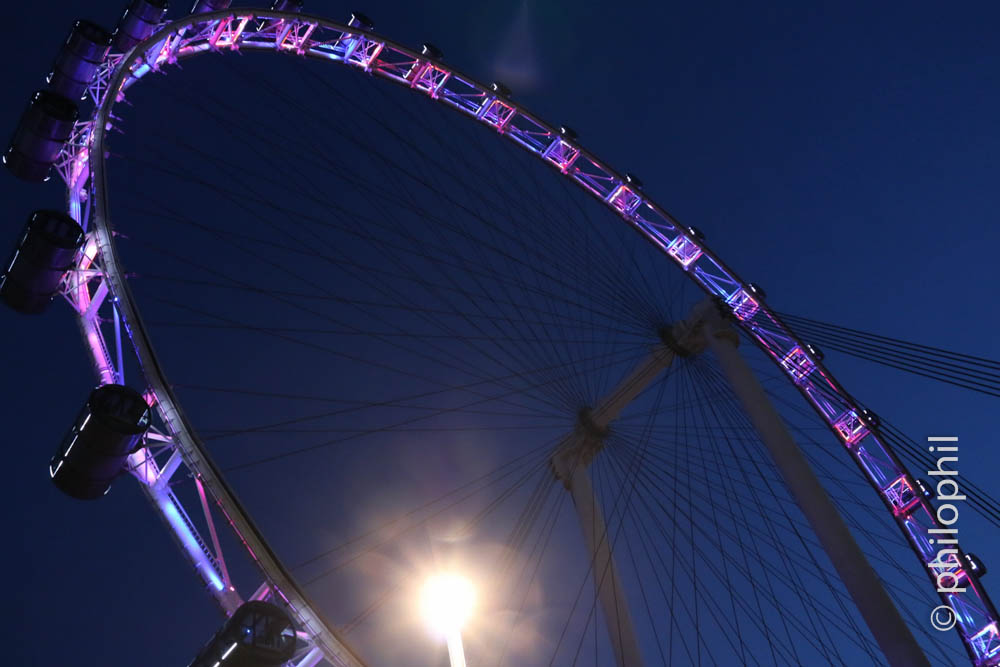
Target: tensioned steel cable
[(498, 305), (969, 372)]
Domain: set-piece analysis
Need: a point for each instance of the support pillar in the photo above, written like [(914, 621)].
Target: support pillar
[(883, 619), (570, 463)]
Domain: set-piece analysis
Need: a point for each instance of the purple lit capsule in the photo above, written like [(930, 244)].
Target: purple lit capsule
[(94, 451), (76, 64), (45, 252), (45, 126), (431, 51), (258, 633), (359, 20), (138, 22)]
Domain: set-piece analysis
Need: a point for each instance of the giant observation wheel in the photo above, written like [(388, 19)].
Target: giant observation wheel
[(167, 447)]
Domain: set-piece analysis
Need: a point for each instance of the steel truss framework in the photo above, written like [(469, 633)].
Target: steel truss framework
[(111, 325)]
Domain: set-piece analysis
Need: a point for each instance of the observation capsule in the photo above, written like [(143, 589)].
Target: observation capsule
[(431, 51), (287, 6), (93, 453), (500, 89), (258, 634), (695, 232), (76, 64), (975, 565), (45, 126), (756, 289), (870, 418), (45, 252), (203, 6), (359, 20), (138, 22), (568, 133), (815, 352)]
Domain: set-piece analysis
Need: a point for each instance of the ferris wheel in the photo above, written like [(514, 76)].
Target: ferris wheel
[(134, 422)]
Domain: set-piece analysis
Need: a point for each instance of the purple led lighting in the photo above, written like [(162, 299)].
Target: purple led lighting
[(497, 113), (744, 306), (561, 154), (798, 364), (850, 427), (684, 250), (986, 642), (901, 496), (192, 545), (625, 200)]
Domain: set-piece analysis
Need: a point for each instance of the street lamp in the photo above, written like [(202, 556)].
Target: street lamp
[(447, 601)]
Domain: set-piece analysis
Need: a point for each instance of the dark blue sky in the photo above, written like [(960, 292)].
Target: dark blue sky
[(843, 155)]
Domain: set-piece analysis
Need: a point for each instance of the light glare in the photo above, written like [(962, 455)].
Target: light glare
[(447, 602)]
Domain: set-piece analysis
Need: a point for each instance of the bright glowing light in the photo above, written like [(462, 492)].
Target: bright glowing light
[(447, 601), (228, 651)]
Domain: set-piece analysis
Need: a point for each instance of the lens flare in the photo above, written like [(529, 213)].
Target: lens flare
[(447, 601)]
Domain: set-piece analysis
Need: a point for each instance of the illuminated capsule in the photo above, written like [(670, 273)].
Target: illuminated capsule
[(500, 89), (202, 6), (94, 451), (138, 22), (431, 51), (258, 634), (293, 6), (45, 252), (695, 232), (815, 352), (81, 54), (45, 126), (359, 20), (975, 565), (754, 288), (870, 418)]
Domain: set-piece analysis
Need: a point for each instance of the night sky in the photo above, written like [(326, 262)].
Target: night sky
[(843, 155)]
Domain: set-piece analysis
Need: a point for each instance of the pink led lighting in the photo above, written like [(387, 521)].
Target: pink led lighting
[(625, 200), (797, 363), (744, 306), (561, 154), (850, 427), (901, 496), (987, 642), (684, 250), (498, 114), (429, 78)]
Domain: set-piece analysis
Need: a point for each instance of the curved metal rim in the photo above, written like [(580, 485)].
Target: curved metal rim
[(762, 325)]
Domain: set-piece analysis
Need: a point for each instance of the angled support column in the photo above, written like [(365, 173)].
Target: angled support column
[(878, 610), (570, 462)]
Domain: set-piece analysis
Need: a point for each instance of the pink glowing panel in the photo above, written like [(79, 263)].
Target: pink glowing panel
[(900, 495), (498, 113), (797, 363), (561, 154), (850, 427), (744, 306), (625, 200), (684, 250), (430, 78), (986, 642)]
